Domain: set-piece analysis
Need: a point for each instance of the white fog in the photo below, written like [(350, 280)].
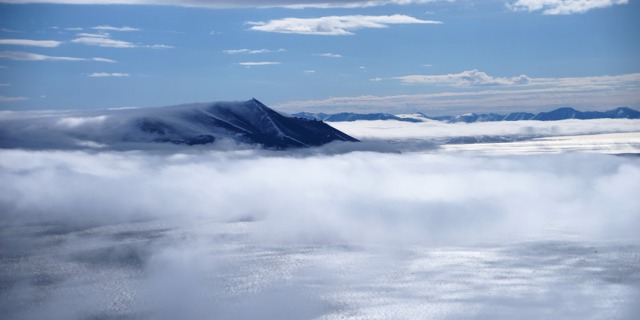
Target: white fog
[(381, 233)]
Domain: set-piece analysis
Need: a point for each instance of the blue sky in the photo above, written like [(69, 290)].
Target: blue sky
[(437, 57)]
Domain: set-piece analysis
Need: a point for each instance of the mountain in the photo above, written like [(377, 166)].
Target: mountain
[(558, 114), (518, 116), (474, 117), (570, 113), (248, 122), (349, 116)]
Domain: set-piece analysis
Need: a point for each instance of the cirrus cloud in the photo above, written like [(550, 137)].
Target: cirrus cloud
[(110, 28), (562, 7), (103, 42), (106, 74), (328, 55), (28, 56), (12, 99), (334, 25), (249, 51), (32, 43), (257, 63)]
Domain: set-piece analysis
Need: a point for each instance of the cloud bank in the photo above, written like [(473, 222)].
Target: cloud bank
[(562, 7), (334, 25), (237, 235), (432, 129)]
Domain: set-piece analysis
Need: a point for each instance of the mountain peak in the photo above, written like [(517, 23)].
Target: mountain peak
[(248, 122)]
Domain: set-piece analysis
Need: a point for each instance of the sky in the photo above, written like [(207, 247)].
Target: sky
[(397, 56)]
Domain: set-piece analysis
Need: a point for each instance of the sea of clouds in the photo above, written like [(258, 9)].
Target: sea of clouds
[(395, 227), (324, 233), (431, 129)]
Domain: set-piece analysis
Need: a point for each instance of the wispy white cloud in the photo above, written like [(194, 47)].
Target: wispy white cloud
[(562, 7), (239, 3), (32, 43), (334, 25), (94, 35), (106, 74), (309, 71), (258, 63), (328, 55), (158, 46), (12, 99), (104, 40), (4, 84), (465, 79), (103, 60), (110, 28), (9, 30), (28, 56), (249, 51)]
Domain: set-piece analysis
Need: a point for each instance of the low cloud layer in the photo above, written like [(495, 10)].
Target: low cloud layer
[(431, 129), (410, 189), (247, 234)]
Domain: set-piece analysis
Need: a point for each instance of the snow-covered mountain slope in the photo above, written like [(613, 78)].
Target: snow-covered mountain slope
[(249, 122)]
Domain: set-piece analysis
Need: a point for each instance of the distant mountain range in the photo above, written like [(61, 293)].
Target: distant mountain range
[(248, 122), (349, 116), (558, 114)]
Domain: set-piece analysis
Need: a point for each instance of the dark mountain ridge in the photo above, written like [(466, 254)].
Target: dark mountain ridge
[(247, 122)]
